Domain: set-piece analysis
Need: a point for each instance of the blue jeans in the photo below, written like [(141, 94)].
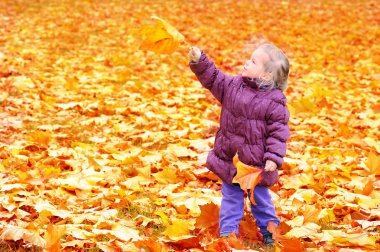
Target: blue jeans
[(232, 208)]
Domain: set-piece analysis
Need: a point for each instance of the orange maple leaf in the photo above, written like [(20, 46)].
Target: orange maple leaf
[(160, 38), (276, 233), (225, 244), (287, 244), (248, 229), (52, 236), (291, 245), (209, 216), (150, 245), (247, 176)]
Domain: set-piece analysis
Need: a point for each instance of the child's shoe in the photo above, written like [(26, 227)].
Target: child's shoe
[(224, 235), (267, 238)]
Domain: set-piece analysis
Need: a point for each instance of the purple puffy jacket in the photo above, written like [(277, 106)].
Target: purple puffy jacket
[(253, 123)]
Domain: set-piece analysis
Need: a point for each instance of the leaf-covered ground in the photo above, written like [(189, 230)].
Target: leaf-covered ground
[(102, 145)]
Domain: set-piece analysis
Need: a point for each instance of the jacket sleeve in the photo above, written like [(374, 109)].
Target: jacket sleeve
[(277, 133), (210, 77)]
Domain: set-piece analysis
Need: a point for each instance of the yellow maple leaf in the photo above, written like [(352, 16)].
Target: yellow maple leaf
[(160, 38), (181, 151), (164, 217), (41, 137), (124, 233), (368, 203), (326, 216), (178, 229), (308, 230), (341, 238), (189, 201), (310, 213), (167, 176), (373, 163), (370, 141)]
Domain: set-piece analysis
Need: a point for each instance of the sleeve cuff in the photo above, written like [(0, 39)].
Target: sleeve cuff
[(198, 67), (277, 159)]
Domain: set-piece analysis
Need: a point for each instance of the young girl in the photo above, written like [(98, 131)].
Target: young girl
[(254, 124)]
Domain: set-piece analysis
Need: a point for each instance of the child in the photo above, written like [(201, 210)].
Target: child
[(254, 124)]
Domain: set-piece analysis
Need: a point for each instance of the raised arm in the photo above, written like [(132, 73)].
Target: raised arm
[(209, 76)]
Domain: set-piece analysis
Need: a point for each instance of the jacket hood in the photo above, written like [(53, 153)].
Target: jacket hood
[(251, 82), (256, 83), (259, 85)]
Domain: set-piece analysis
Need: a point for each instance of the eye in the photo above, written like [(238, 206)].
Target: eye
[(253, 61)]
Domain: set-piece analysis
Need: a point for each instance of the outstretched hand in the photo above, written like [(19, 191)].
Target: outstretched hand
[(195, 54)]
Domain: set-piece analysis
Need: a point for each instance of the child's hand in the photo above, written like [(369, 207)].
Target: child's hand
[(195, 54), (270, 166)]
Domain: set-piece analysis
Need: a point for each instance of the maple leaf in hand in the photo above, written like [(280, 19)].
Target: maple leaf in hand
[(160, 38), (247, 176)]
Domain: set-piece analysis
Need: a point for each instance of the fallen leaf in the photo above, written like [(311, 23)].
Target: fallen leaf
[(291, 245), (308, 230), (52, 236), (373, 163), (167, 176), (340, 238), (209, 216), (178, 229), (151, 246), (15, 233)]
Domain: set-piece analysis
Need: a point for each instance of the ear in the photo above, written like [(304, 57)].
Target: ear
[(267, 76)]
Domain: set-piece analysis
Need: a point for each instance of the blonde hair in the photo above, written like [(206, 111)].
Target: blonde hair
[(277, 65)]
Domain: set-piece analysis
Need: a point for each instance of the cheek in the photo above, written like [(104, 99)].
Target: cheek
[(251, 68)]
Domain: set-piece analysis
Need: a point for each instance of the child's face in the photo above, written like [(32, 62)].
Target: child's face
[(254, 67)]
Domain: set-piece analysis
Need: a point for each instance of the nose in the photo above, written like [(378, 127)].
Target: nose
[(246, 62)]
